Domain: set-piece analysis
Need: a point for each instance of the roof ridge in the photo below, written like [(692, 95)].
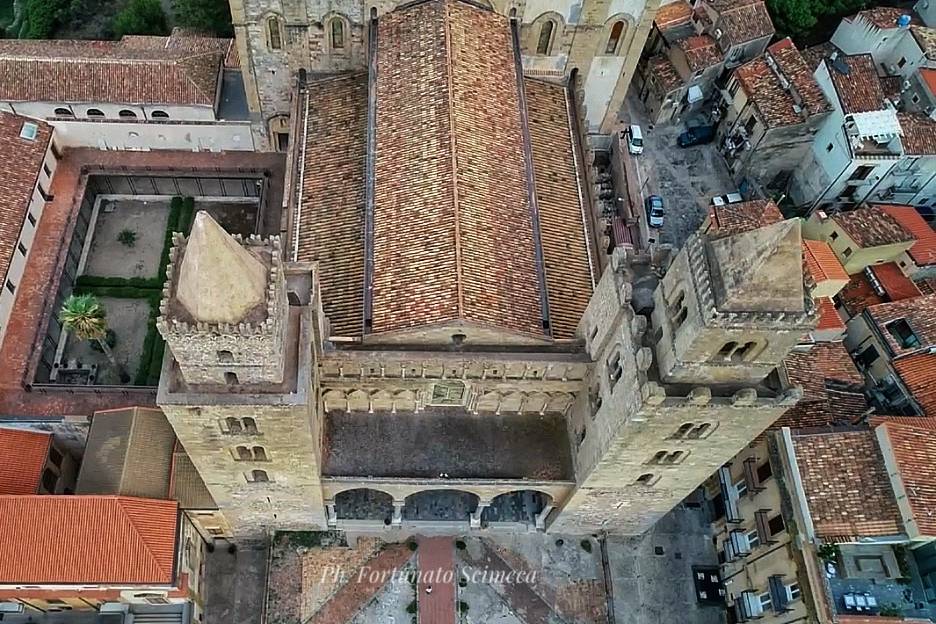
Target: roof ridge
[(142, 536), (450, 106)]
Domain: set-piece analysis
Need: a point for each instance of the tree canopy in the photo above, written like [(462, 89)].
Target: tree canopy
[(801, 18), (141, 17), (207, 16)]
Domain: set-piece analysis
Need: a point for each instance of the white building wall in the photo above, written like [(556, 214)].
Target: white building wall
[(145, 136), (599, 85), (861, 37), (27, 234), (46, 110)]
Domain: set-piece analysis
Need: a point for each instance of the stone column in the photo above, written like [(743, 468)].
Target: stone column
[(541, 517), (331, 516), (397, 513), (475, 518)]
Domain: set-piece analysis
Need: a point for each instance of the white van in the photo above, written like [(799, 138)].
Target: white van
[(634, 138)]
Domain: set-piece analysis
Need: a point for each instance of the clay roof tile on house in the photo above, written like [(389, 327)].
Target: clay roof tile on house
[(673, 14), (24, 457), (897, 286), (872, 227), (846, 484), (742, 21), (859, 90), (919, 134), (87, 540), (926, 38), (23, 159), (917, 314), (828, 315), (663, 74), (884, 17), (701, 51), (918, 373), (914, 452), (140, 71), (740, 217), (923, 250), (821, 262)]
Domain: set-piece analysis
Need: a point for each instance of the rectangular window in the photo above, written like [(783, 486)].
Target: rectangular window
[(861, 173), (903, 334), (847, 252), (829, 147), (764, 472), (10, 286), (833, 236), (614, 369), (901, 62), (750, 124), (867, 357), (765, 603), (776, 525), (753, 539), (31, 219), (21, 248), (55, 457), (733, 87), (741, 488), (793, 592), (56, 152)]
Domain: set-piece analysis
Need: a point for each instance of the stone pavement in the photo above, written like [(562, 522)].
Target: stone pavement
[(686, 178), (436, 557), (235, 585)]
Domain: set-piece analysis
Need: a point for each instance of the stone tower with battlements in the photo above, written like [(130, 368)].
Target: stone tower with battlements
[(236, 383), (685, 371)]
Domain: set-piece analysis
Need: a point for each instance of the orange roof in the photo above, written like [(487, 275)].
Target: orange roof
[(828, 316), (914, 453), (87, 540), (929, 77), (896, 285), (25, 454), (923, 250), (673, 14), (821, 261), (918, 372)]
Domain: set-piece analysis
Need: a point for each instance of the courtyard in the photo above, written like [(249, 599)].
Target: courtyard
[(123, 256), (486, 577)]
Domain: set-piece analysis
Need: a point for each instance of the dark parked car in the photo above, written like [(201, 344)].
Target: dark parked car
[(698, 135), (654, 205)]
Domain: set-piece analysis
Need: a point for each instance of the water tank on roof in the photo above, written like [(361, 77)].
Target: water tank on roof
[(903, 21)]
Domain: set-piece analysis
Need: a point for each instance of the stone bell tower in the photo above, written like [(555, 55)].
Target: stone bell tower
[(236, 383)]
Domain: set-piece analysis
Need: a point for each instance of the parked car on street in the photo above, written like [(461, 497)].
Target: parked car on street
[(634, 137), (698, 135), (654, 205)]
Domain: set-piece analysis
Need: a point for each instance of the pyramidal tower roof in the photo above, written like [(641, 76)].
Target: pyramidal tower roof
[(219, 281), (759, 270)]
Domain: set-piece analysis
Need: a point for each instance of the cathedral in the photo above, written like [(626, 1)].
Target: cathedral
[(437, 337), (592, 44)]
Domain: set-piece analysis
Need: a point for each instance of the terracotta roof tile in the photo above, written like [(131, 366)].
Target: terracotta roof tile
[(663, 74), (742, 21), (929, 77), (918, 372), (331, 218), (883, 17), (87, 540), (562, 222), (449, 166), (919, 314), (23, 160), (923, 250), (108, 71), (673, 14), (701, 51), (846, 484), (860, 90), (872, 227), (914, 452), (832, 388), (821, 261), (828, 316), (858, 294), (919, 134), (896, 285), (732, 219), (25, 454)]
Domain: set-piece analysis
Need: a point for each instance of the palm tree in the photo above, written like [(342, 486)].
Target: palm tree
[(86, 318)]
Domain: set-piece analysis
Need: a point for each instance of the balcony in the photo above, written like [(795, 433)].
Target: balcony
[(730, 495)]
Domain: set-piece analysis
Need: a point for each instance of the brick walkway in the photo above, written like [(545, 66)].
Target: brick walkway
[(520, 597), (359, 590), (32, 307), (436, 559)]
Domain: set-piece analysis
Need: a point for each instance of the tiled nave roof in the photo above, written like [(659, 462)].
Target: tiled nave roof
[(24, 457)]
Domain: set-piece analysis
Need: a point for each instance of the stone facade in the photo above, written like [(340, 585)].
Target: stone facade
[(596, 42)]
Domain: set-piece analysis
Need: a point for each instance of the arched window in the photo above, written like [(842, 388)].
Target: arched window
[(230, 379), (250, 425), (674, 457), (683, 429), (225, 356), (127, 114), (259, 454), (243, 453), (233, 424), (680, 318), (337, 34), (63, 112), (545, 37), (274, 34), (159, 114), (614, 39), (727, 349), (700, 431), (645, 478), (658, 457), (259, 476), (94, 112)]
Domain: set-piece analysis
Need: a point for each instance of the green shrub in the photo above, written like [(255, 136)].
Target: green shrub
[(412, 545), (463, 582), (208, 16), (127, 238), (94, 281), (140, 17), (460, 545), (586, 545), (41, 18), (463, 606), (411, 607), (110, 338)]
